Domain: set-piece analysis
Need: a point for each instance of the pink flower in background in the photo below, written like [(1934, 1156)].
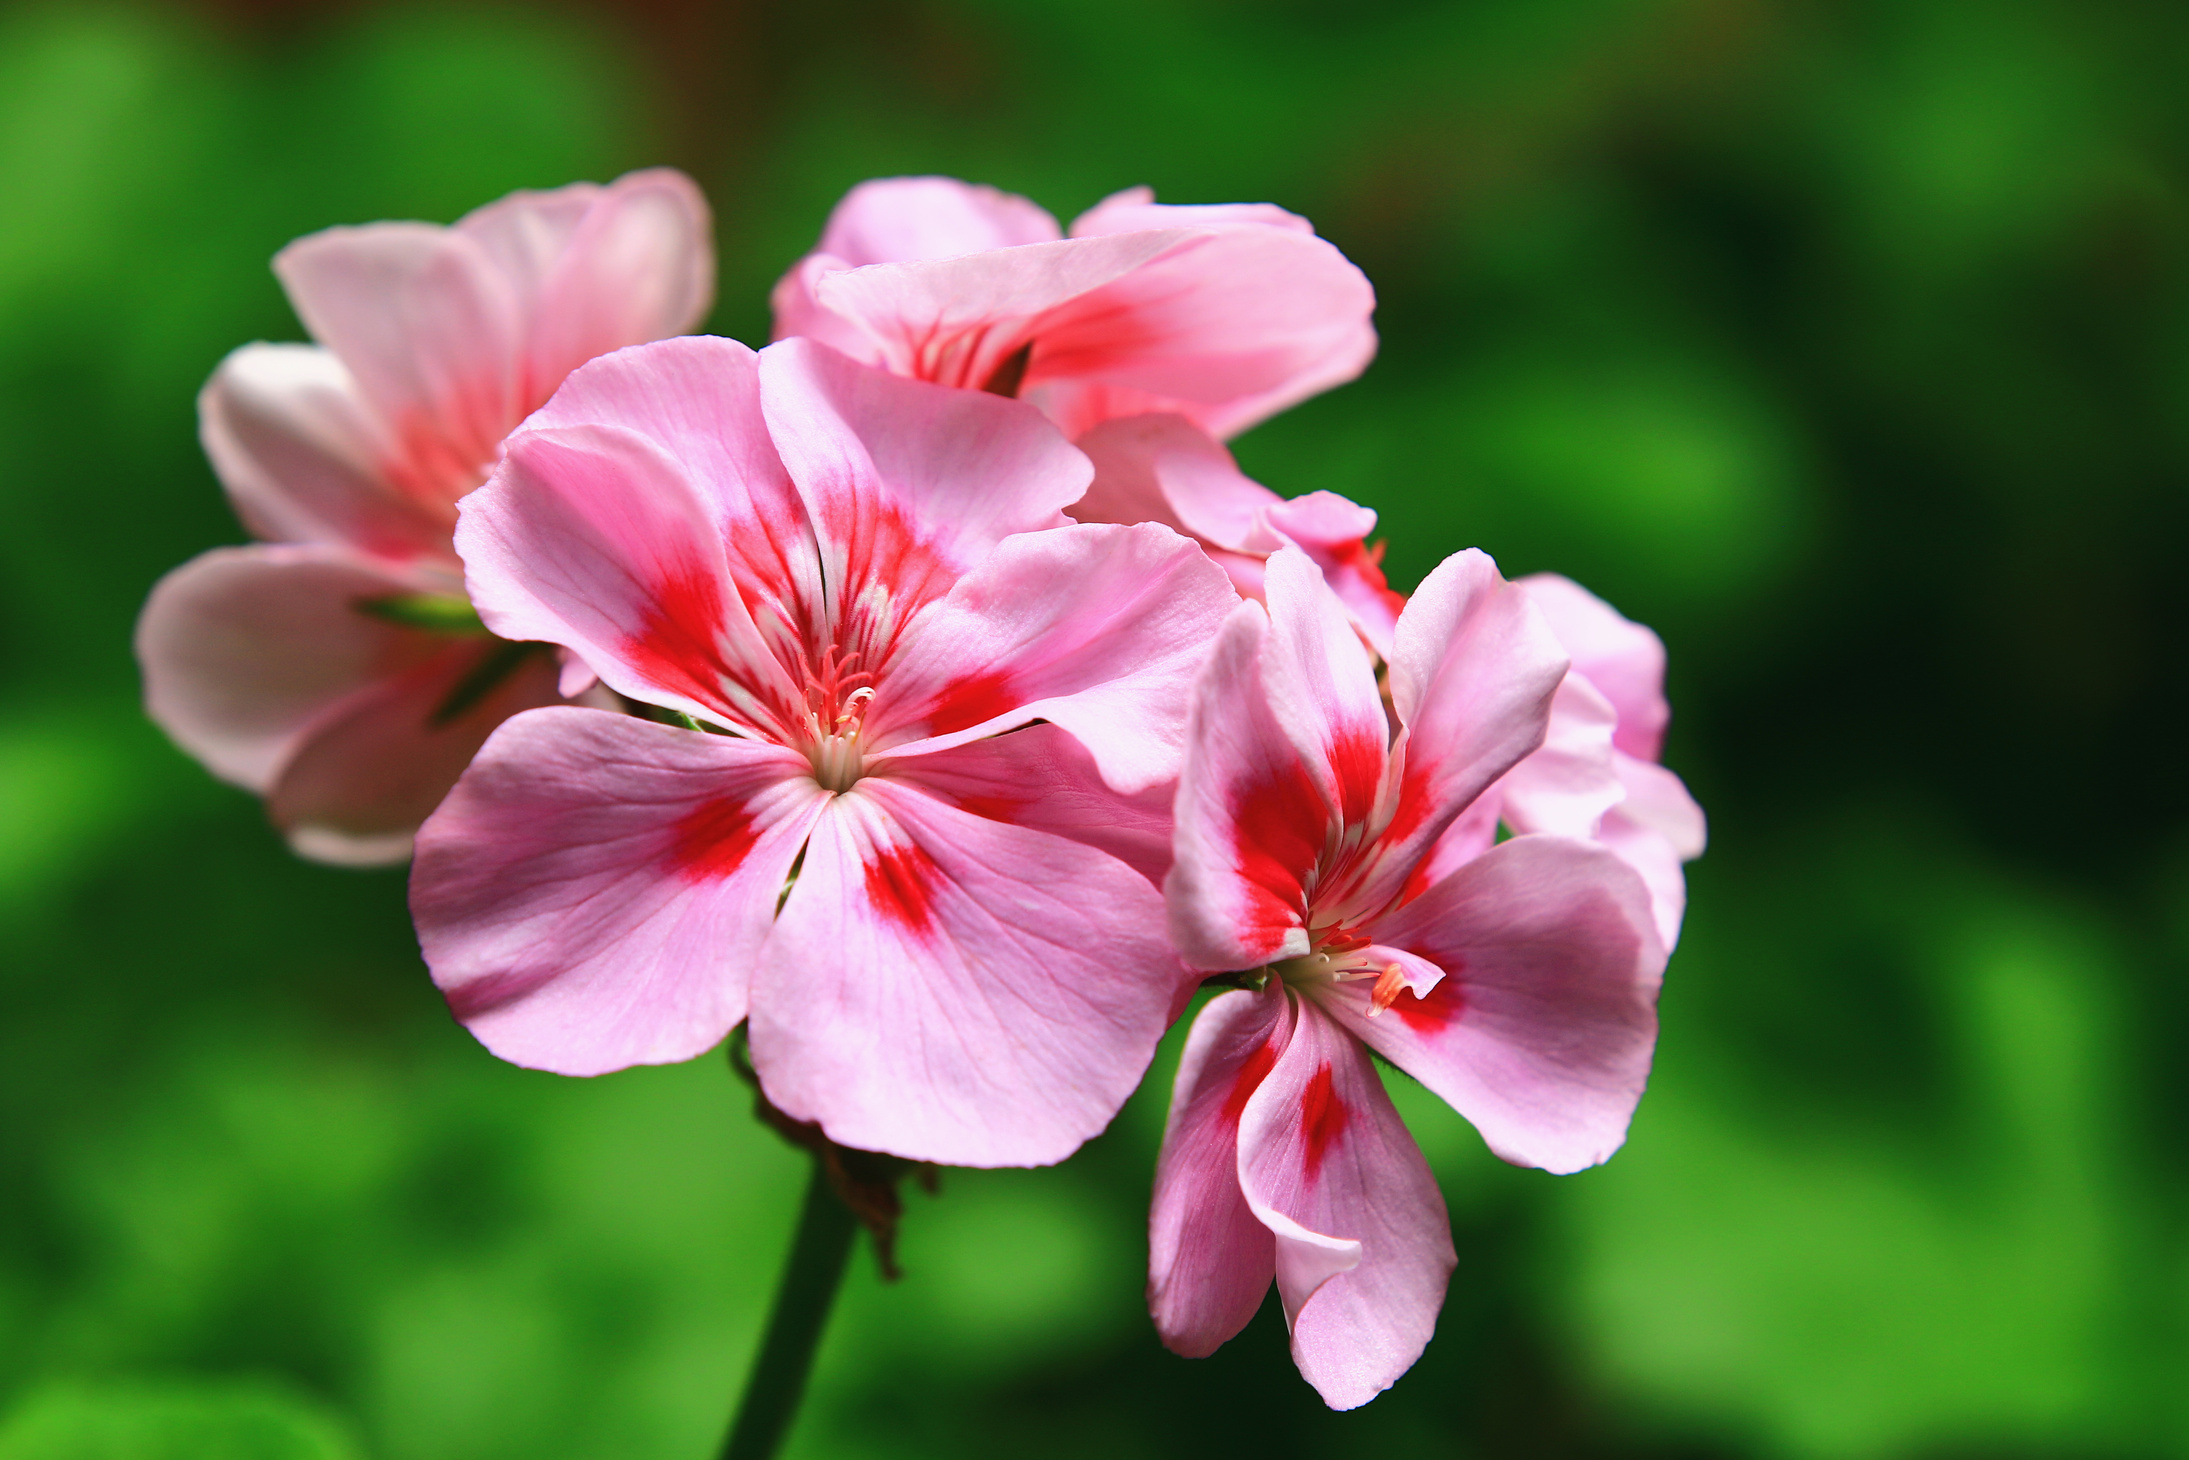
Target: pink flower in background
[(1610, 712), (337, 669), (1224, 314), (1520, 988), (867, 580), (1162, 468)]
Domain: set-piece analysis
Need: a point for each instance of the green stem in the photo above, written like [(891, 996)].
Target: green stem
[(810, 1279)]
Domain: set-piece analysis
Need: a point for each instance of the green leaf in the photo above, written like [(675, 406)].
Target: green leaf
[(436, 613)]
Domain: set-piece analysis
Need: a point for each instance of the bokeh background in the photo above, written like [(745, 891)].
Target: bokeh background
[(1846, 343)]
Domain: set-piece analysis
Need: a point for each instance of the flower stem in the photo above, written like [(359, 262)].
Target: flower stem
[(810, 1280)]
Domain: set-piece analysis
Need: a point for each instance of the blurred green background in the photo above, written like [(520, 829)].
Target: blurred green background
[(1846, 343)]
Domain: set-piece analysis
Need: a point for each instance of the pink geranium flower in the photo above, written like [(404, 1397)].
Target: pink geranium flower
[(866, 581), (1225, 314), (1521, 987), (1597, 774), (1163, 468), (337, 668)]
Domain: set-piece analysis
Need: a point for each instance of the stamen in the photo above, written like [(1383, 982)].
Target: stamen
[(1389, 985)]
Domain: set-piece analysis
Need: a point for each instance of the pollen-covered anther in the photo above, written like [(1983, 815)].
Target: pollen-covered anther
[(1389, 985)]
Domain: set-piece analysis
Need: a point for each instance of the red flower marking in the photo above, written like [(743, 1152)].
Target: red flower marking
[(713, 840), (1366, 561), (970, 701), (677, 648), (1277, 823), (1249, 1079), (1413, 807), (1438, 1010), (994, 808), (900, 882), (1357, 762), (1322, 1119)]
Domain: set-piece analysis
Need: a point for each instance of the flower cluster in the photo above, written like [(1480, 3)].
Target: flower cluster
[(930, 693)]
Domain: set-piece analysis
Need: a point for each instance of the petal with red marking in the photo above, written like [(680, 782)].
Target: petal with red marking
[(1210, 1261), (304, 459), (1094, 627), (908, 484), (1473, 669), (949, 988), (1044, 778), (593, 538), (698, 399), (596, 891), (956, 321), (1252, 822), (432, 331), (1542, 1029), (1364, 1248), (1224, 325)]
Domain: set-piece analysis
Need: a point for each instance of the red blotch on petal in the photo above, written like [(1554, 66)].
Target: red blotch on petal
[(993, 808), (970, 701), (1322, 1118), (678, 648), (1413, 807), (1356, 761), (1438, 1010), (900, 884), (1366, 563), (1277, 827), (713, 841), (1249, 1079)]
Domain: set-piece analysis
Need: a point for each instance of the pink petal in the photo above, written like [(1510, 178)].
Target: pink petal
[(1210, 1262), (596, 890), (1657, 800), (593, 538), (245, 649), (1163, 468), (949, 988), (1043, 778), (1135, 209), (1623, 659), (1655, 829), (1096, 628), (1473, 670), (431, 330), (1226, 327), (1333, 531), (698, 400), (956, 321), (909, 484), (301, 456), (904, 219), (366, 773), (1542, 1029), (1285, 750), (1251, 820), (1566, 785), (1364, 1248), (636, 265)]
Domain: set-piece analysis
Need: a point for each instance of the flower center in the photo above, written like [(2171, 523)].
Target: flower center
[(837, 695), (1342, 957)]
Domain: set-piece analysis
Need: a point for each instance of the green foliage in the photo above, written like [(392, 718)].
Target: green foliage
[(1847, 345)]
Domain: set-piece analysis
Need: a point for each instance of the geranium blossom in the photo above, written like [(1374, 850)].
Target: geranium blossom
[(1163, 468), (337, 668), (1520, 988), (1225, 314), (1610, 711), (867, 581)]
